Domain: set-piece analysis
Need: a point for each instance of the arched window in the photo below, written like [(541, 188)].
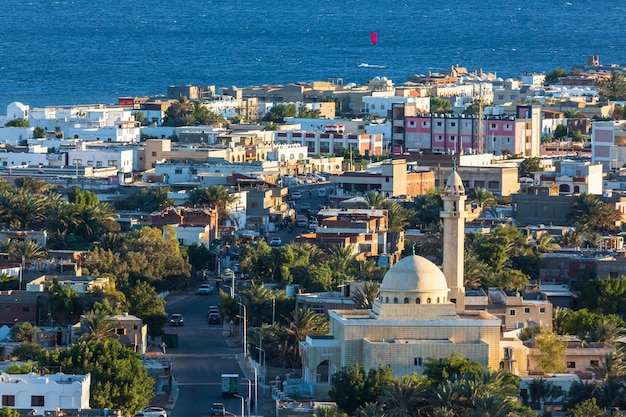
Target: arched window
[(418, 301), (437, 300), (428, 300), (406, 300), (395, 300), (386, 299)]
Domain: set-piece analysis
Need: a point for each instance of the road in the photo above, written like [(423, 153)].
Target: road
[(201, 357)]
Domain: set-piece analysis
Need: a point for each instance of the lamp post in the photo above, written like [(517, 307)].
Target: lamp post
[(22, 272), (245, 353), (242, 406), (249, 395)]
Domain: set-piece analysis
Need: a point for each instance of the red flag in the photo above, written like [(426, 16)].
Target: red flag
[(374, 38)]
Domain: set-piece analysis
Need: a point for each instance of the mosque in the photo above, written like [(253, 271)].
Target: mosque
[(419, 314)]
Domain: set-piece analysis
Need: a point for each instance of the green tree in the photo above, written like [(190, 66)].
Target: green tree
[(427, 209), (560, 132), (437, 370), (555, 75), (353, 386), (20, 122), (551, 356), (402, 397), (23, 332), (144, 302), (440, 105), (587, 408), (587, 210), (306, 113), (302, 322), (333, 411), (364, 298), (119, 379), (530, 165), (399, 217), (9, 412), (64, 302), (215, 196), (178, 112), (27, 351), (278, 113), (485, 200)]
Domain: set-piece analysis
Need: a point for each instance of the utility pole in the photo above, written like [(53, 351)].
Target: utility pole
[(480, 119)]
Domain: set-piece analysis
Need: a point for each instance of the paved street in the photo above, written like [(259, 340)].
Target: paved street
[(201, 357)]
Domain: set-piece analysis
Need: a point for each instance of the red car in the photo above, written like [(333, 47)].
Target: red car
[(214, 318)]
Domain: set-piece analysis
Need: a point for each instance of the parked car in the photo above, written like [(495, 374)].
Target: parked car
[(305, 207), (215, 318), (218, 409), (152, 412), (313, 225), (276, 241), (177, 320), (205, 289), (214, 309), (296, 195)]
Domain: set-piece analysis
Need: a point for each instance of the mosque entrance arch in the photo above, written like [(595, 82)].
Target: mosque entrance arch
[(322, 372)]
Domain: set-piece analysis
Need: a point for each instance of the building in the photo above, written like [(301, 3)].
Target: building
[(333, 139), (608, 144), (573, 177), (392, 177), (42, 393), (516, 134), (420, 314)]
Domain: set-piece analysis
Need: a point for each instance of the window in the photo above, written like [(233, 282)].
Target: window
[(571, 365), (37, 401), (178, 171), (395, 300), (494, 184), (425, 124), (418, 301), (512, 312), (99, 164), (120, 331), (153, 153), (428, 301), (8, 400), (493, 126), (592, 363), (526, 310), (417, 361), (542, 310), (89, 163), (112, 163), (412, 123), (438, 123), (452, 138), (406, 300), (77, 162)]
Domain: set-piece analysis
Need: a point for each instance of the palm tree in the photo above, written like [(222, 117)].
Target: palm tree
[(474, 270), (98, 326), (559, 318), (32, 185), (370, 409), (401, 398), (546, 244), (485, 200), (612, 366), (21, 210), (215, 196), (398, 216), (427, 208), (340, 258), (90, 222), (365, 297), (333, 411), (22, 250), (605, 330), (588, 209), (374, 199), (302, 322)]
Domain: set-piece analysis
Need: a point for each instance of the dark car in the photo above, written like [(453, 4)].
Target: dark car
[(214, 318), (177, 320), (218, 409)]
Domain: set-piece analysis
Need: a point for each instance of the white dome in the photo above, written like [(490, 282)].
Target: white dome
[(414, 274)]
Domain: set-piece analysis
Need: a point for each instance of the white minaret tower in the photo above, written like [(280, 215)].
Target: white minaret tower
[(454, 215)]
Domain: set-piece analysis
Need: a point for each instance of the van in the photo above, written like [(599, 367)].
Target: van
[(321, 192)]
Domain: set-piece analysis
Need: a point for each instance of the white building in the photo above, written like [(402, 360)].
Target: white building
[(573, 177), (380, 103), (122, 159), (45, 393), (332, 140)]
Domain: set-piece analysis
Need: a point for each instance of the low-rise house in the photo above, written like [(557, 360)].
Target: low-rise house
[(580, 357), (45, 393), (573, 177), (129, 330)]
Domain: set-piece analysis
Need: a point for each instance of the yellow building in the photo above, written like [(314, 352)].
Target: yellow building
[(420, 314)]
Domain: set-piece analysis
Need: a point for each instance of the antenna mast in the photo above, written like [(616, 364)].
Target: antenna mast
[(481, 118)]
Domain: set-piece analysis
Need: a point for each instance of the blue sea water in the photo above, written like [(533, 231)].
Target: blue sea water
[(86, 51)]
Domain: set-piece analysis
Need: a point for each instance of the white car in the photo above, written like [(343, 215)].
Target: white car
[(205, 289), (228, 274), (276, 241), (152, 412)]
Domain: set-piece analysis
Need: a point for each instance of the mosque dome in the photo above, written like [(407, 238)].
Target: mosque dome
[(412, 279)]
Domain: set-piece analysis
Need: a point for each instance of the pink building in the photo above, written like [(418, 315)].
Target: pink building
[(517, 134)]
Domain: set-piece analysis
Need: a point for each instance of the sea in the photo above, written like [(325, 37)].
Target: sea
[(88, 51)]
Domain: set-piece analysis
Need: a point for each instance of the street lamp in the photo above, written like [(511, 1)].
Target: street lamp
[(245, 353), (242, 406), (249, 395), (22, 272)]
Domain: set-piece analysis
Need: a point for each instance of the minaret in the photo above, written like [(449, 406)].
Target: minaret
[(454, 215)]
